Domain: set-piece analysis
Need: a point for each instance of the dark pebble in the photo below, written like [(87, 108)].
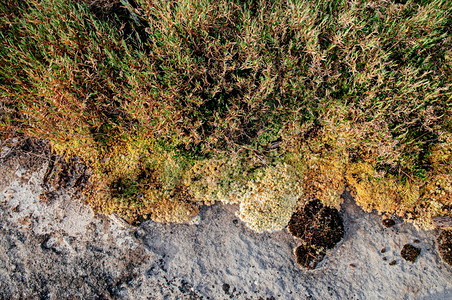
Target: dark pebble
[(388, 223), (226, 288)]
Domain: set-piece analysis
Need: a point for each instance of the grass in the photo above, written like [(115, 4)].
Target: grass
[(152, 94)]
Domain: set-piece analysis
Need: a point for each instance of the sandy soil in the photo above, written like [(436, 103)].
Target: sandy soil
[(58, 249)]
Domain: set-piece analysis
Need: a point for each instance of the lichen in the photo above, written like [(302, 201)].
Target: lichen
[(373, 190)]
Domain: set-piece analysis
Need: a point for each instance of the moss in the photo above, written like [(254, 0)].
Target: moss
[(444, 244), (365, 156), (319, 227), (324, 181), (154, 106), (410, 253), (269, 201), (139, 179), (371, 189), (221, 179), (308, 257), (173, 210), (322, 166)]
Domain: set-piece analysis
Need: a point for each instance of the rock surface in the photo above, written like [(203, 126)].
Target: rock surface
[(59, 249)]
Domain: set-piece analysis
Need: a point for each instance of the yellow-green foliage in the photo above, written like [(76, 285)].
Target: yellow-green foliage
[(416, 199), (340, 152), (178, 207), (324, 182), (374, 190), (271, 199), (319, 153), (436, 191), (203, 180), (137, 179)]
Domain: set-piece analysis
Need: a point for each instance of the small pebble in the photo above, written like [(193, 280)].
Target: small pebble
[(226, 288), (383, 250), (393, 263), (388, 223), (196, 220), (139, 233), (352, 265)]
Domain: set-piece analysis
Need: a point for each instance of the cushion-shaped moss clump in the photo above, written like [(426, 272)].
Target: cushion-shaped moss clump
[(444, 243), (319, 227), (308, 256), (270, 199), (410, 253)]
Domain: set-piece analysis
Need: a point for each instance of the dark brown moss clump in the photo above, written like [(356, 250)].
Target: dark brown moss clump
[(410, 253), (320, 229), (317, 224), (308, 257), (444, 243)]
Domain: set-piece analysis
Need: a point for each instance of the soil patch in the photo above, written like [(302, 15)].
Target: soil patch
[(65, 175), (29, 153)]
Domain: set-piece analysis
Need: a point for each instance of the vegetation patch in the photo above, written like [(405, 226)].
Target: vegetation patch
[(270, 199), (308, 256), (410, 253), (444, 244), (268, 104), (319, 227)]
